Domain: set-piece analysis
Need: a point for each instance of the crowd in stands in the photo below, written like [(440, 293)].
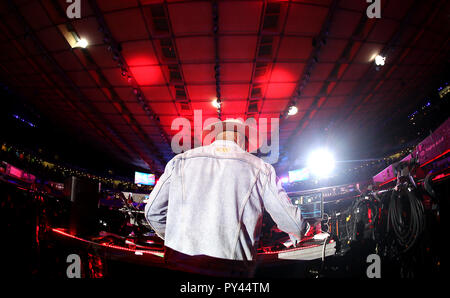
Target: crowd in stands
[(45, 171)]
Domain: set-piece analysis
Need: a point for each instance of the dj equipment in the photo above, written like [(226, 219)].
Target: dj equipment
[(135, 217), (343, 211), (310, 204), (316, 250), (84, 197)]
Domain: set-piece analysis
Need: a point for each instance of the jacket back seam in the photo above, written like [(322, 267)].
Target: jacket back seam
[(242, 213)]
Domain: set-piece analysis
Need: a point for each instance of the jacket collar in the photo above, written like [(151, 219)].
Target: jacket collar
[(225, 143)]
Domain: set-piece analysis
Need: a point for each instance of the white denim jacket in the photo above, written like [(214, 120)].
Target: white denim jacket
[(210, 201)]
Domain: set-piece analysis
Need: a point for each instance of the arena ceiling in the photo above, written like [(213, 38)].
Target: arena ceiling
[(149, 62)]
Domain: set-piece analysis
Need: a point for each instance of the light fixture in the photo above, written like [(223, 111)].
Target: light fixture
[(81, 43), (292, 110), (321, 163), (74, 40), (380, 60), (215, 103)]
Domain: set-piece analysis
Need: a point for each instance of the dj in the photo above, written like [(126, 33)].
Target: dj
[(209, 203)]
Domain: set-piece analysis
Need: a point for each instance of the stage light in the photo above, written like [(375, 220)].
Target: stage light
[(321, 163), (284, 180), (81, 43), (379, 60), (292, 110), (215, 103), (72, 37)]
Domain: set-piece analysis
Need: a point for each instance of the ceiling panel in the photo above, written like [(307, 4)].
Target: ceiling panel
[(266, 52)]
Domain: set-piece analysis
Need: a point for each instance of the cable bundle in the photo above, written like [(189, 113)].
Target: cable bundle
[(364, 211), (406, 216)]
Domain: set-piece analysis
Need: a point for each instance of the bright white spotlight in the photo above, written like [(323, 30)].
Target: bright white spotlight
[(215, 103), (321, 163), (380, 60), (284, 180), (292, 110), (82, 43)]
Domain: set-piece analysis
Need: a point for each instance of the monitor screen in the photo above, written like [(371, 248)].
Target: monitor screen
[(311, 205), (144, 178)]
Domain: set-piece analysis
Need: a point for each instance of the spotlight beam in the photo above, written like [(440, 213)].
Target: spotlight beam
[(321, 163)]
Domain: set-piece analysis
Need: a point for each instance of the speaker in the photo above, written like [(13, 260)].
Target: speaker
[(84, 196)]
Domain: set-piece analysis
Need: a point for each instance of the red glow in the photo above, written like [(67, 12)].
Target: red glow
[(304, 124), (139, 53), (95, 266), (107, 93), (266, 252), (94, 74), (286, 72), (312, 114), (15, 172), (148, 75), (277, 90), (341, 70), (321, 101), (37, 234), (354, 50), (155, 253), (437, 157), (141, 60), (441, 176), (161, 254), (386, 182)]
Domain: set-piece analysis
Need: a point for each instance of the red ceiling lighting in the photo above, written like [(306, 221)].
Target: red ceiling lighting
[(259, 57), (148, 75), (139, 53)]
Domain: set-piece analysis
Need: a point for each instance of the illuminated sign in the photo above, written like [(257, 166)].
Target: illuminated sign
[(144, 178)]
